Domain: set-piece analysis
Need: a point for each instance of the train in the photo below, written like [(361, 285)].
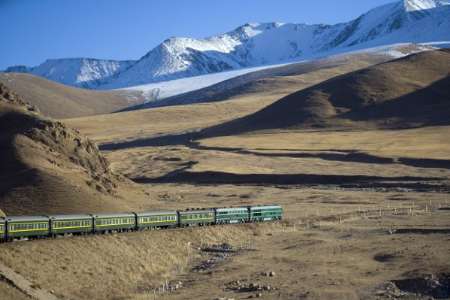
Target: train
[(32, 227)]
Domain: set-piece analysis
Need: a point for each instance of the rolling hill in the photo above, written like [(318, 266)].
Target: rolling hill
[(281, 77), (60, 101), (48, 167), (407, 92), (242, 100)]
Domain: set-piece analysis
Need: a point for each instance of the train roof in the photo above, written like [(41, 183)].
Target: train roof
[(194, 211), (70, 217), (156, 213), (231, 208), (116, 215), (265, 206), (26, 218)]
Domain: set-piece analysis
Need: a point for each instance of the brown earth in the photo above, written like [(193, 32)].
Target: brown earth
[(268, 81), (145, 123), (48, 167), (60, 101), (366, 210), (408, 92)]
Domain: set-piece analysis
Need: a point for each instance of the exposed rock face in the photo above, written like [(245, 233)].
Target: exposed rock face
[(9, 97), (44, 162), (77, 149)]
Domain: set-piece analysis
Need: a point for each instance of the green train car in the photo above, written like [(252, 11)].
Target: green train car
[(263, 213), (114, 222), (232, 215), (2, 229), (199, 217), (159, 219), (21, 227), (27, 226), (70, 224)]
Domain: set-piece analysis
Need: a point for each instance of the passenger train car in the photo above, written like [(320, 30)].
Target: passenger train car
[(22, 227)]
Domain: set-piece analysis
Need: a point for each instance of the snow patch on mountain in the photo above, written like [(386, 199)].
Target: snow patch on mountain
[(258, 44), (418, 5), (80, 72), (252, 44), (155, 92), (161, 90)]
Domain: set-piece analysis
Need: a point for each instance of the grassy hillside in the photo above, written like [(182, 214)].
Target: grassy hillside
[(48, 167), (240, 102), (60, 101), (267, 81), (408, 92)]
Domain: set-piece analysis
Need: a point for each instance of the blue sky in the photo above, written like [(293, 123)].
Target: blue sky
[(34, 30)]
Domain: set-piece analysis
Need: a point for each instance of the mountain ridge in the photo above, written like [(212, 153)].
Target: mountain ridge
[(79, 72), (251, 45), (404, 93)]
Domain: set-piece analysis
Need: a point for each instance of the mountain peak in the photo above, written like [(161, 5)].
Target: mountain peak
[(421, 5), (258, 44)]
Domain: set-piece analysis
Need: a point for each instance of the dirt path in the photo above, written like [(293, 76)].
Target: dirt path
[(22, 284)]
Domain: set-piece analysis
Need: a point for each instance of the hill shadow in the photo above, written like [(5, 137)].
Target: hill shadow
[(422, 184), (343, 98)]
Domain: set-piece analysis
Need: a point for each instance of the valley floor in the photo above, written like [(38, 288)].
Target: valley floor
[(364, 210), (367, 212)]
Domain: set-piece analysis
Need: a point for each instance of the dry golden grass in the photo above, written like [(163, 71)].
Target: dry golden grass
[(329, 244), (114, 266), (60, 101), (166, 120), (427, 142), (9, 292)]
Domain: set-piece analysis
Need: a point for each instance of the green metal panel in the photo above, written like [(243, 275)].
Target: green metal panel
[(156, 220), (197, 217), (266, 213), (71, 226), (2, 229), (27, 229), (232, 215), (114, 223)]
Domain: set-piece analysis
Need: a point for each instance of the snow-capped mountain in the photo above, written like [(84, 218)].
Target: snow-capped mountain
[(414, 5), (258, 44), (80, 72)]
